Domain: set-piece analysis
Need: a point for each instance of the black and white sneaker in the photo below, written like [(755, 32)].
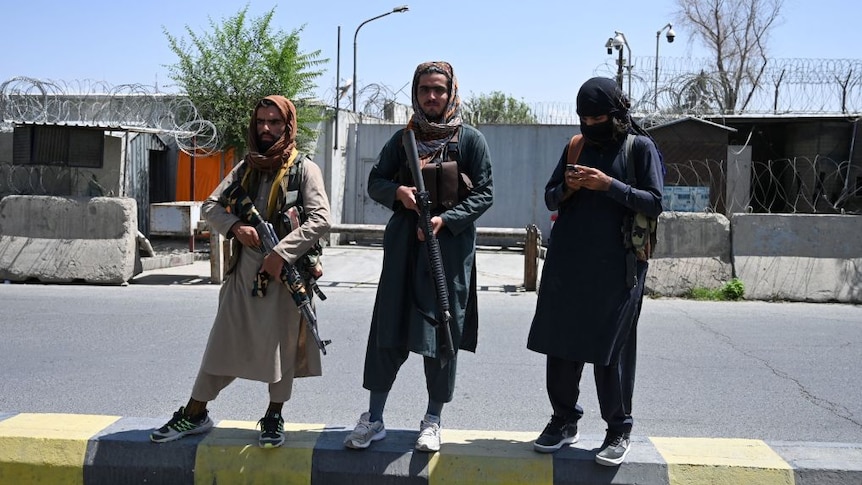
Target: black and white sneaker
[(271, 430), (557, 433), (614, 449), (181, 425)]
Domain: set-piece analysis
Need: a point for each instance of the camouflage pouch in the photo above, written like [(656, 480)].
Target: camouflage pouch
[(643, 236)]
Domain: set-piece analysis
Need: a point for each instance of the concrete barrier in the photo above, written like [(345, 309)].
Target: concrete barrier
[(68, 239), (799, 257), (693, 251), (92, 450)]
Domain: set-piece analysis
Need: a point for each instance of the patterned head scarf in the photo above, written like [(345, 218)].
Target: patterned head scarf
[(280, 152), (432, 136)]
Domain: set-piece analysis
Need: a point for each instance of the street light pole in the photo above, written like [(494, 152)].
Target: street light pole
[(619, 41), (670, 36), (402, 8)]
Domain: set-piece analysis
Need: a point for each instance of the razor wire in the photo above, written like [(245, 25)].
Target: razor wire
[(25, 100), (692, 87), (798, 185)]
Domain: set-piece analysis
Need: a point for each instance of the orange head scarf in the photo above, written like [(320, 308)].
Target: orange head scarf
[(280, 152)]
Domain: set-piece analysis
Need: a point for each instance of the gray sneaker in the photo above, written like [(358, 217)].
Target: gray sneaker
[(429, 434), (614, 449), (365, 432)]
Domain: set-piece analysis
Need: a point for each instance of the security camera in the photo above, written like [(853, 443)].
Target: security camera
[(670, 35)]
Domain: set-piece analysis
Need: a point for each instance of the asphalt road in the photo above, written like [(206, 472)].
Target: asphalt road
[(760, 370)]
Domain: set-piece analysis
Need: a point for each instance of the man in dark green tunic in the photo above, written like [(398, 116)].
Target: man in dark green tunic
[(405, 310), (587, 309)]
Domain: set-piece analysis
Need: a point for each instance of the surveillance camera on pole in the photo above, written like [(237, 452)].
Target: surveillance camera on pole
[(670, 36)]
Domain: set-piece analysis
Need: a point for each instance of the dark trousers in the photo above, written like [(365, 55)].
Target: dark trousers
[(382, 365), (614, 385)]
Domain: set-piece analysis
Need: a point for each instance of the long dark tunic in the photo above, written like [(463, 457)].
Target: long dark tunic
[(585, 309), (406, 299)]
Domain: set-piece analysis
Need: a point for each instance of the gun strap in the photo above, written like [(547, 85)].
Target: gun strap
[(631, 179)]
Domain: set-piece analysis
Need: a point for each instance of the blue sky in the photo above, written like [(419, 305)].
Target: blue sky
[(538, 51)]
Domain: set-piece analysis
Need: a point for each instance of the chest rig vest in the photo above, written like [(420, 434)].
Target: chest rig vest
[(446, 184), (285, 215)]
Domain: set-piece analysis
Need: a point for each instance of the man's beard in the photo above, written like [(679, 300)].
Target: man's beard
[(264, 145)]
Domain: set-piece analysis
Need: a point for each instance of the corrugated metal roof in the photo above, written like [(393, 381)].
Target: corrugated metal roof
[(785, 117), (105, 126), (692, 118)]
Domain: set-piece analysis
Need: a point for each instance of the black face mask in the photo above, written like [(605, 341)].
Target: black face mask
[(600, 132)]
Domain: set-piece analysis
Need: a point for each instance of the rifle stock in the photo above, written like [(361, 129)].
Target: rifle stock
[(236, 197), (423, 202)]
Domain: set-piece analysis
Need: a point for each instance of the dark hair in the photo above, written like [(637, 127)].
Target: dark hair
[(621, 127)]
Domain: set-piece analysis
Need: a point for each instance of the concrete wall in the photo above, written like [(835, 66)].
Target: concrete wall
[(800, 257), (68, 239), (794, 257), (692, 251)]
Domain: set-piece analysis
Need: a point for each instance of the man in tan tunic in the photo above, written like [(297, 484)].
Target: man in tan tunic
[(253, 337)]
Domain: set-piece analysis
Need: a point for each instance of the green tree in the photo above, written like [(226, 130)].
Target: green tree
[(497, 108), (227, 70)]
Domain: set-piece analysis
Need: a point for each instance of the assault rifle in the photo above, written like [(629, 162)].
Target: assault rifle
[(435, 260), (236, 197)]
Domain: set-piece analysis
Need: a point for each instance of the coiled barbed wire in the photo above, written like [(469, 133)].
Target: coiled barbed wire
[(690, 86), (94, 103)]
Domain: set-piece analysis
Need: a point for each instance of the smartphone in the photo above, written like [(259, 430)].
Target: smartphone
[(571, 168)]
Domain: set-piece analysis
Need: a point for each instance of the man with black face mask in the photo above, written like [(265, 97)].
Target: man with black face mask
[(587, 311)]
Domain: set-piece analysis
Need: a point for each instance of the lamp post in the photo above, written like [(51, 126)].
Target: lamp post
[(399, 9), (618, 41), (670, 36)]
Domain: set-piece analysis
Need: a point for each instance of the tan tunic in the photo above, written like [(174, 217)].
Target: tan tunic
[(257, 338)]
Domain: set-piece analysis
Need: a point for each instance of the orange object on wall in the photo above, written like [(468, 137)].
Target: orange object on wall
[(209, 171)]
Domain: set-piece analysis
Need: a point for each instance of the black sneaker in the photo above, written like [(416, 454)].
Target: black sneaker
[(557, 433), (181, 425), (271, 430), (614, 449)]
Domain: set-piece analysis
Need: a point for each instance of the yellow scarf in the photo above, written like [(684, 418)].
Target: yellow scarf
[(275, 188)]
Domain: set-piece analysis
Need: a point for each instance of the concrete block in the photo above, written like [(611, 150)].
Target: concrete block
[(174, 218), (68, 239), (799, 257), (676, 276), (692, 251), (693, 235)]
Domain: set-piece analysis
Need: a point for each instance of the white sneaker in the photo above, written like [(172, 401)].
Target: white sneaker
[(365, 432), (429, 434)]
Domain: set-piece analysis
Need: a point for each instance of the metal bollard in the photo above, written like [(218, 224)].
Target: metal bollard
[(531, 257)]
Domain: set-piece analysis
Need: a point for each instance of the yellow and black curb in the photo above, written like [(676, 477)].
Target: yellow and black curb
[(94, 449)]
